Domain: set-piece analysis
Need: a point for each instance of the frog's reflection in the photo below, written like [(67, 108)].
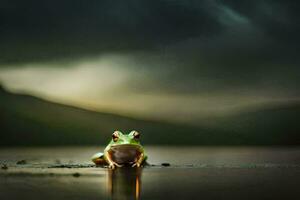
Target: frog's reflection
[(125, 183)]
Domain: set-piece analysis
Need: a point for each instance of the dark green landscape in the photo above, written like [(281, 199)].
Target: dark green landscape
[(27, 120)]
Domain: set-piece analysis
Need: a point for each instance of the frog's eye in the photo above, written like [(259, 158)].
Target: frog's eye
[(115, 136), (136, 135)]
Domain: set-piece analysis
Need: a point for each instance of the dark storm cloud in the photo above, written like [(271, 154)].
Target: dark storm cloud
[(53, 29), (186, 46), (32, 30), (278, 18), (258, 51)]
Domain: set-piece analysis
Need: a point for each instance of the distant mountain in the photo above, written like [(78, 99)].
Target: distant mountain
[(274, 124), (28, 120)]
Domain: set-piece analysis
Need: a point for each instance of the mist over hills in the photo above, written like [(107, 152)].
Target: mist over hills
[(27, 120)]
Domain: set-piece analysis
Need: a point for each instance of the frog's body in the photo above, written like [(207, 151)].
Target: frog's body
[(122, 150)]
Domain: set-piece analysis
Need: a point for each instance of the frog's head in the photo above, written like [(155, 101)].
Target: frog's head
[(118, 138), (125, 148)]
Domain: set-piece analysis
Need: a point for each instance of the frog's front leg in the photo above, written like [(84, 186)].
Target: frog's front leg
[(141, 159), (111, 163)]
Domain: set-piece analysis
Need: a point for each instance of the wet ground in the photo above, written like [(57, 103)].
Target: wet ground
[(174, 173)]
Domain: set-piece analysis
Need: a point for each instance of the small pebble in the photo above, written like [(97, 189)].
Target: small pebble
[(21, 162), (4, 167), (165, 164), (76, 174)]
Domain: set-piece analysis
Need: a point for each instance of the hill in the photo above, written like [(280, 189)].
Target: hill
[(273, 124), (28, 120)]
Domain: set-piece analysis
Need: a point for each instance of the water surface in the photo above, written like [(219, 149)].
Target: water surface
[(194, 173)]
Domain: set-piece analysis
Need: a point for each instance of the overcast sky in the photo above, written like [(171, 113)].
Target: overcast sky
[(169, 59)]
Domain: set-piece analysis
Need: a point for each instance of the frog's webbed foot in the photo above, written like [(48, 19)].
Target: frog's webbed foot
[(139, 161), (113, 165), (136, 164)]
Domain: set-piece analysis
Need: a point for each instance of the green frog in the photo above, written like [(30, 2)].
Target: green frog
[(123, 150)]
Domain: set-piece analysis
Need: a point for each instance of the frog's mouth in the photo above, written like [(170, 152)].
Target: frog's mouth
[(125, 153)]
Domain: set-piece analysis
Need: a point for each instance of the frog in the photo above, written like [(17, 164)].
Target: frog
[(122, 150)]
